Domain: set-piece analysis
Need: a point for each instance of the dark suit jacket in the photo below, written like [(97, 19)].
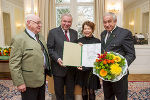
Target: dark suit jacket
[(120, 41), (55, 44)]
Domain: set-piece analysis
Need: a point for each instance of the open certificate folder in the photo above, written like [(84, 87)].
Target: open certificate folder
[(76, 55)]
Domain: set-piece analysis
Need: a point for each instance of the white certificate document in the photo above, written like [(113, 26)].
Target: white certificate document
[(89, 54), (76, 55)]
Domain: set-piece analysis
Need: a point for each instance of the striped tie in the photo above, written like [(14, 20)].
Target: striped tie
[(66, 36)]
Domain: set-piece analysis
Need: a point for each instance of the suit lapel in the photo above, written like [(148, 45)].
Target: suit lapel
[(103, 39), (112, 37), (61, 33), (28, 34), (71, 35), (46, 55)]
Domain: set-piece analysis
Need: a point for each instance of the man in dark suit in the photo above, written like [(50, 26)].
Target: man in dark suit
[(63, 76), (29, 60), (118, 40)]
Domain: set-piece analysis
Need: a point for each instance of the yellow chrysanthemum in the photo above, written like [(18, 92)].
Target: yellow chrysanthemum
[(115, 69), (117, 59), (111, 55)]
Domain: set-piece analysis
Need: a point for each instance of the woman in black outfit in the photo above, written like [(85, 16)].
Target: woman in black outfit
[(85, 77)]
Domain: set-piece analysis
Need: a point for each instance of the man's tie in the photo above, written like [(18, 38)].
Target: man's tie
[(108, 35), (66, 36), (37, 38), (43, 49)]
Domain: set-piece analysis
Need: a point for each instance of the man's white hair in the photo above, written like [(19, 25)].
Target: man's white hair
[(66, 14), (29, 17), (111, 14)]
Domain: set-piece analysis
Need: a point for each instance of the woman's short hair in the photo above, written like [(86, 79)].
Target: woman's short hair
[(90, 24)]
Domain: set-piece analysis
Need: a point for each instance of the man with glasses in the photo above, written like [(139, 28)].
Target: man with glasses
[(29, 61)]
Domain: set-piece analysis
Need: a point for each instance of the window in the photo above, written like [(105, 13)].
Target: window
[(81, 11)]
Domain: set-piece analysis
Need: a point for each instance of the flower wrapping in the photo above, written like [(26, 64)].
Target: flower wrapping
[(110, 66)]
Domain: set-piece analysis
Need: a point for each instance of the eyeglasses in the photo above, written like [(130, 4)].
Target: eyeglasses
[(39, 22)]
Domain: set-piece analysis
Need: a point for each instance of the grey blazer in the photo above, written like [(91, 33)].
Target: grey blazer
[(120, 41), (55, 44)]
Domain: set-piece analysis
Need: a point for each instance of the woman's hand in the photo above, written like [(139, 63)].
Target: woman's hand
[(80, 44), (80, 68)]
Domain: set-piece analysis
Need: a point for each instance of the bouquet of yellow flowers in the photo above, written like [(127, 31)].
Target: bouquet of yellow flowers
[(110, 66)]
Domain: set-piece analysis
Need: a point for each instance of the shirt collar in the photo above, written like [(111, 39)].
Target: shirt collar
[(31, 33), (64, 30), (113, 29)]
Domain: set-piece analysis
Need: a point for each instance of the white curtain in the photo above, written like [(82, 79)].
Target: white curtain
[(99, 11)]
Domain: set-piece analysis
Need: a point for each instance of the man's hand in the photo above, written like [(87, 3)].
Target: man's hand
[(22, 88), (60, 62)]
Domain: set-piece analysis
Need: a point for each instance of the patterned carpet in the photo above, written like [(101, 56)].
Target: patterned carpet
[(136, 91), (9, 92)]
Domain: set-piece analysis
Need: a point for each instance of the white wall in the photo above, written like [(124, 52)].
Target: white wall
[(141, 65)]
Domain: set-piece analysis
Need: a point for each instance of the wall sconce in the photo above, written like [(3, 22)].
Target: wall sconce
[(113, 7), (24, 25), (18, 25), (131, 23)]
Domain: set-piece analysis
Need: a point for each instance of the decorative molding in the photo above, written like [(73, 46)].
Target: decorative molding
[(142, 47), (6, 6), (19, 3), (145, 7), (9, 5), (138, 4)]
